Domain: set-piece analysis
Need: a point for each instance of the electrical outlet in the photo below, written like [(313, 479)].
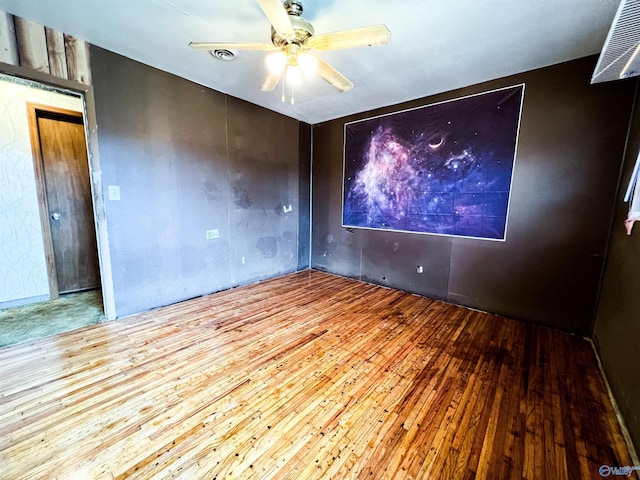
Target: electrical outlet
[(211, 234), (420, 269)]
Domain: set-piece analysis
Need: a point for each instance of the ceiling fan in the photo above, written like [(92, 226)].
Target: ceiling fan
[(293, 38)]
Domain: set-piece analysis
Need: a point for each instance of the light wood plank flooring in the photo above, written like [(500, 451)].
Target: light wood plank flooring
[(307, 376)]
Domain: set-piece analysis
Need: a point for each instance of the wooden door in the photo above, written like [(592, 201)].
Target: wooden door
[(64, 173)]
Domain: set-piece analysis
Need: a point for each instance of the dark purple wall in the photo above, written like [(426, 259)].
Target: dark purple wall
[(617, 328), (304, 197), (189, 159), (548, 270)]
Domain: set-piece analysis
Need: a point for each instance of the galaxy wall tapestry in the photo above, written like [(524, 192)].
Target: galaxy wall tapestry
[(442, 169)]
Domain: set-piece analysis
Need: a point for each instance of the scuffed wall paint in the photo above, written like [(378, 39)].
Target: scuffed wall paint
[(23, 272), (263, 176), (190, 160)]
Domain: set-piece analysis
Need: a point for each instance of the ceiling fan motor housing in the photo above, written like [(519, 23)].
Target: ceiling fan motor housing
[(302, 28)]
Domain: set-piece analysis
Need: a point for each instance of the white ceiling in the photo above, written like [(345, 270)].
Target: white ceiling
[(436, 45)]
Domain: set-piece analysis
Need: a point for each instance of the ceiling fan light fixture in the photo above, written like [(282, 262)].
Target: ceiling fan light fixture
[(308, 63), (293, 75), (276, 62)]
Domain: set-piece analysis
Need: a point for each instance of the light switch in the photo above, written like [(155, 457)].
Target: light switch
[(114, 192), (211, 234)]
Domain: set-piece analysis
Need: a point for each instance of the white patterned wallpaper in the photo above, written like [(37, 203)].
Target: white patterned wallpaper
[(23, 272)]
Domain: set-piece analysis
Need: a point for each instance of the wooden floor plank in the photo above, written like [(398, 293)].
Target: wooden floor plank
[(306, 376)]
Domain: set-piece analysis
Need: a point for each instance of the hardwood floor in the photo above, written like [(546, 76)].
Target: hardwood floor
[(306, 376)]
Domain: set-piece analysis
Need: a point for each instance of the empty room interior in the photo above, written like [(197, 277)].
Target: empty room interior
[(319, 239)]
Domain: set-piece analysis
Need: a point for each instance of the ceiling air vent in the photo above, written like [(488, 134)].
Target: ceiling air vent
[(620, 57), (224, 54)]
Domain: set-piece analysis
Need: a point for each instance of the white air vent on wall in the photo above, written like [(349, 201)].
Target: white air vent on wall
[(620, 57)]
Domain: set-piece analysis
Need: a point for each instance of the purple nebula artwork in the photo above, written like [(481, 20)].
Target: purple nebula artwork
[(442, 169)]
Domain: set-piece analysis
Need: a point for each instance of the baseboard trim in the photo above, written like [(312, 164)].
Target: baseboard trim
[(23, 301)]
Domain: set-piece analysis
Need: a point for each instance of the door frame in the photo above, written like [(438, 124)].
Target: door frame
[(95, 170), (41, 188)]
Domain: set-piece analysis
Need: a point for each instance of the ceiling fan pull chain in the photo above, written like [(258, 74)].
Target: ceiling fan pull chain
[(284, 98)]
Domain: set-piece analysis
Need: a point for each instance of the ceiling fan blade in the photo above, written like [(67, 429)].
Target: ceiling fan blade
[(332, 76), (231, 46), (270, 81), (278, 16), (356, 37)]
